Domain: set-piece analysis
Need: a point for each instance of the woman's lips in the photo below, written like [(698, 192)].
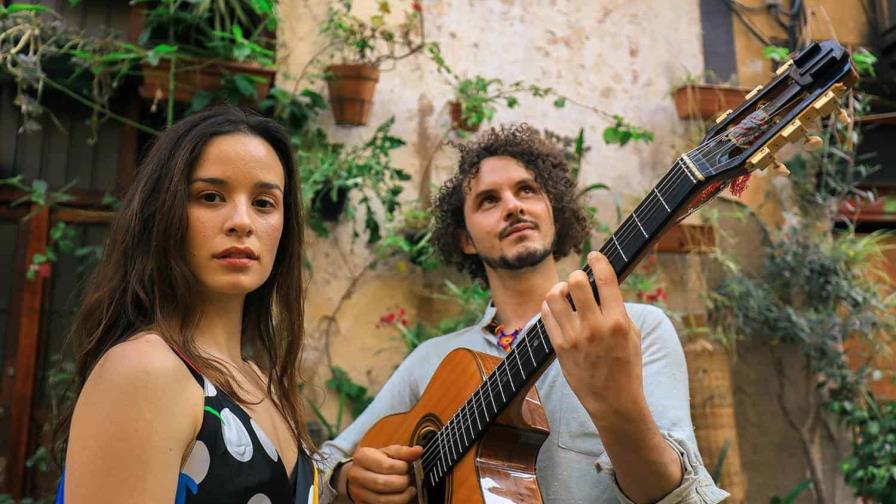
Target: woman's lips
[(241, 262)]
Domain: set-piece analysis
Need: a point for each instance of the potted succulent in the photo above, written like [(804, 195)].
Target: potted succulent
[(362, 46)]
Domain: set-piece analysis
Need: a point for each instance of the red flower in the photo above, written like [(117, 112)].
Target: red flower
[(416, 6), (393, 318), (44, 270), (658, 294)]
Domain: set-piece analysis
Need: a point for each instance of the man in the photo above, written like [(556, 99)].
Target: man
[(616, 397)]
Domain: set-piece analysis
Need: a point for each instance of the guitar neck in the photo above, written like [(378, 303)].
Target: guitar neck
[(533, 351)]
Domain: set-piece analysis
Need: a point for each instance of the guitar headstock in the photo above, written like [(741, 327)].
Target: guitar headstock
[(805, 89)]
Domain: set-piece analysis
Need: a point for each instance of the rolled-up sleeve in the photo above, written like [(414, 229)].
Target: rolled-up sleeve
[(697, 486)]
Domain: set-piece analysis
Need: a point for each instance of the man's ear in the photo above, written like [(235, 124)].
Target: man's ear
[(466, 242)]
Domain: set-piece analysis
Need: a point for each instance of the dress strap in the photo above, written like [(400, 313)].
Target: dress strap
[(190, 366)]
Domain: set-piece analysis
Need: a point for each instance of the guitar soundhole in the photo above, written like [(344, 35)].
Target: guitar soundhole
[(437, 494)]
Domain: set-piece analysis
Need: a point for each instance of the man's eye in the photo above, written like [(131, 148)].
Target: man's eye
[(210, 197)]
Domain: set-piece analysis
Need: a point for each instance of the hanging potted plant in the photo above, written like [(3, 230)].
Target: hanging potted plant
[(362, 46), (706, 101), (201, 47), (409, 241), (331, 174), (476, 99)]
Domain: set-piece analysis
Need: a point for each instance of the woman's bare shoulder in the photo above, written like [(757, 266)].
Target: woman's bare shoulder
[(141, 399), (142, 369)]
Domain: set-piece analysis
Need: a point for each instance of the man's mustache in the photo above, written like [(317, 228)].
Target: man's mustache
[(507, 229)]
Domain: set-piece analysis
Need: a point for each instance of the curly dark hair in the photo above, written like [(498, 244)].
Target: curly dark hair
[(547, 164)]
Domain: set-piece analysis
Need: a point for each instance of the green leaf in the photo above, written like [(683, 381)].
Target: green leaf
[(245, 86), (864, 62), (775, 53), (597, 186), (21, 7), (560, 102)]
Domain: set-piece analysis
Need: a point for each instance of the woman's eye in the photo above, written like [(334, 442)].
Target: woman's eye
[(210, 197), (265, 203)]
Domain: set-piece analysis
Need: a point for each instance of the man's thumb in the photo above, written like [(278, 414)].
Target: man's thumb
[(406, 453)]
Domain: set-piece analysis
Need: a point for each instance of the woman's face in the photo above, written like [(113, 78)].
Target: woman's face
[(234, 214)]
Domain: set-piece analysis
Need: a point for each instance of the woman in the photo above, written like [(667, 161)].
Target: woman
[(189, 338)]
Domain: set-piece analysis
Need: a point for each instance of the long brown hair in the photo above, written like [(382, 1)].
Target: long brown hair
[(143, 282)]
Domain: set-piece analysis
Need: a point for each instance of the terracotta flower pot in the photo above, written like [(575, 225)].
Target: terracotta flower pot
[(351, 92), (706, 101), (195, 76), (457, 121)]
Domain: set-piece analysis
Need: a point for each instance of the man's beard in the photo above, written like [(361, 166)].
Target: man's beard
[(524, 259)]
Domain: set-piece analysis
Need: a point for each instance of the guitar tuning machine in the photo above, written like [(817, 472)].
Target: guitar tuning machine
[(781, 169), (723, 116), (843, 117), (783, 68), (813, 142)]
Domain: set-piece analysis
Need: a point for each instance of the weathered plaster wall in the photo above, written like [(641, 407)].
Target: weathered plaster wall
[(607, 55), (621, 57)]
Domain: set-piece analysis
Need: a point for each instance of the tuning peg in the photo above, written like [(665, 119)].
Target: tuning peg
[(813, 143), (843, 117), (780, 169)]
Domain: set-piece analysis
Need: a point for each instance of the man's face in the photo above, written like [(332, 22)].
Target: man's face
[(510, 223)]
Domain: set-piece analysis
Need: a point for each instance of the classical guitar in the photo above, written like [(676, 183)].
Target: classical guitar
[(480, 419)]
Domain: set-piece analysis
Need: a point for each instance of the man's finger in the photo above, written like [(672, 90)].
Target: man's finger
[(611, 302), (560, 308), (406, 453), (582, 295), (379, 461), (555, 334)]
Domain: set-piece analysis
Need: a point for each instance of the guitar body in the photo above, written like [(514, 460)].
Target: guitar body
[(500, 467)]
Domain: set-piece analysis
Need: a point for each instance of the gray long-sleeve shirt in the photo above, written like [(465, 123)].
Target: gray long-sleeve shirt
[(572, 465)]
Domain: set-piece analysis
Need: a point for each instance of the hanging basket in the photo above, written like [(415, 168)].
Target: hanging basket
[(351, 92), (457, 120), (200, 75), (706, 101), (712, 410)]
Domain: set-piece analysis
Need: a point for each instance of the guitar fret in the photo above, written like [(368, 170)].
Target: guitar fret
[(635, 216), (658, 195), (476, 413), (541, 334), (531, 355), (620, 248), (519, 363), (491, 395), (497, 369), (441, 460)]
